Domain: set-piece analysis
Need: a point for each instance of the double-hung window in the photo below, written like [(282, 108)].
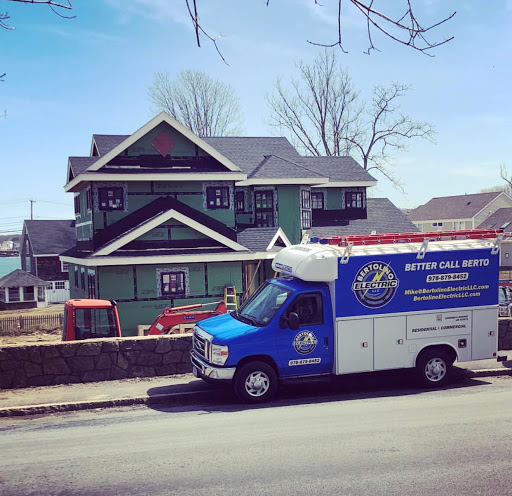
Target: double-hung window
[(264, 208), (239, 201)]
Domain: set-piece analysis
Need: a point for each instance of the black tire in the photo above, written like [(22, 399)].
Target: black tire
[(434, 367), (255, 382)]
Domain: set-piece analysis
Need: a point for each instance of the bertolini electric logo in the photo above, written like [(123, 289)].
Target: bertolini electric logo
[(375, 284)]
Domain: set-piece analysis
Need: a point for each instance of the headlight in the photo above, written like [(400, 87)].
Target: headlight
[(219, 354)]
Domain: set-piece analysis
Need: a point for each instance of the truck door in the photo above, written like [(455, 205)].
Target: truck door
[(307, 350)]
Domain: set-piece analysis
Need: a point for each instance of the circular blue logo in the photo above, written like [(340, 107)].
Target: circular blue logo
[(375, 284), (305, 342)]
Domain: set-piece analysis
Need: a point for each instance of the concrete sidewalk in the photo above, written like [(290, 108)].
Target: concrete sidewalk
[(177, 389)]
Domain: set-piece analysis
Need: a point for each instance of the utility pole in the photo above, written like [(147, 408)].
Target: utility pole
[(32, 209)]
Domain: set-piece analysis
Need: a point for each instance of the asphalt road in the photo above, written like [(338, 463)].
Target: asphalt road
[(456, 441)]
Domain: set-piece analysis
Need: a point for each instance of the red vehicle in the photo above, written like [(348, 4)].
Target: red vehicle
[(183, 319), (88, 319)]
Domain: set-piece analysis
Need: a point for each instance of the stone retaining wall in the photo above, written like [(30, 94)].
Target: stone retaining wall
[(93, 360), (108, 359)]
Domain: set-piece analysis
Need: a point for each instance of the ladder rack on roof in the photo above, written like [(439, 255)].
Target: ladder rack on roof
[(411, 237)]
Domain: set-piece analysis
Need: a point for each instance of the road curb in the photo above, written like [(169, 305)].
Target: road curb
[(162, 399), (490, 372), (181, 398)]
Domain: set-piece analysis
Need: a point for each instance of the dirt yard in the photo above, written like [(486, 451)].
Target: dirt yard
[(35, 335)]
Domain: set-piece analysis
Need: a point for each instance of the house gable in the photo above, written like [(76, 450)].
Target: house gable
[(162, 136), (148, 226)]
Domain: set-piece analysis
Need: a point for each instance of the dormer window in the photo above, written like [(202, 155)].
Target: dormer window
[(111, 198)]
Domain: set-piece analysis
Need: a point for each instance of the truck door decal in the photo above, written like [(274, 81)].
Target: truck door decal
[(305, 342)]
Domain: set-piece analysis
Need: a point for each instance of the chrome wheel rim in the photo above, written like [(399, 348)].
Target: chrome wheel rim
[(257, 383), (435, 369)]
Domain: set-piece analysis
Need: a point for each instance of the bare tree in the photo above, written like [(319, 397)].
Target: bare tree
[(508, 179), (56, 6), (320, 109), (206, 106), (325, 116), (404, 28)]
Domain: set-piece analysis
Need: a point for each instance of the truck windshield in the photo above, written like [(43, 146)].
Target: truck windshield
[(94, 323), (263, 305)]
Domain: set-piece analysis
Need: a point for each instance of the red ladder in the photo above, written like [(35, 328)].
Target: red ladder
[(411, 237)]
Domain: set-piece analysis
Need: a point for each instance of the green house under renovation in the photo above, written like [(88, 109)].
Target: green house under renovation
[(165, 218)]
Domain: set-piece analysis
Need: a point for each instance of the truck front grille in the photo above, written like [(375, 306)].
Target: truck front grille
[(201, 345)]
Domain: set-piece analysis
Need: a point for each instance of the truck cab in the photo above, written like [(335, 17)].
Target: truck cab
[(287, 323), (90, 319)]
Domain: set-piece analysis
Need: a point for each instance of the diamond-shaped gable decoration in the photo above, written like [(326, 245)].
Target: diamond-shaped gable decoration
[(163, 144)]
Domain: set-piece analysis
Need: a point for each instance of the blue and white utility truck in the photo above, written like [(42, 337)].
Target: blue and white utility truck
[(359, 304)]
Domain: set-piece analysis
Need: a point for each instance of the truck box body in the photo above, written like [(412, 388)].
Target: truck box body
[(360, 309)]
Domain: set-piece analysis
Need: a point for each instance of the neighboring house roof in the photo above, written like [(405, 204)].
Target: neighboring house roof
[(19, 278), (501, 219), (383, 217), (50, 237), (453, 207), (262, 238)]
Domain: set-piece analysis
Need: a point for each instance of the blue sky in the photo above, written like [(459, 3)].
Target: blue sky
[(68, 79)]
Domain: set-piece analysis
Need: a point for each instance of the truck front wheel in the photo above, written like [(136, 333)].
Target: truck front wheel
[(255, 382), (434, 367)]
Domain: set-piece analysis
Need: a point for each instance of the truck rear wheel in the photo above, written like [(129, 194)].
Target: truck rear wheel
[(255, 382), (434, 367)]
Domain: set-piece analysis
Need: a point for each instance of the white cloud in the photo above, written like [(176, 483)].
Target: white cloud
[(483, 170), (156, 10), (82, 34)]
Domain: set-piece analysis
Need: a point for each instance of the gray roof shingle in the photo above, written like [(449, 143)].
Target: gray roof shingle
[(51, 237), (259, 157), (453, 207), (383, 217), (501, 219), (80, 164), (337, 168), (257, 238), (107, 142), (248, 153), (18, 278), (274, 167)]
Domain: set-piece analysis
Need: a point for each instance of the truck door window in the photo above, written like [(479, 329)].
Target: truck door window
[(309, 308)]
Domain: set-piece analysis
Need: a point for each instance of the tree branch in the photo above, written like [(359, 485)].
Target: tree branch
[(411, 33)]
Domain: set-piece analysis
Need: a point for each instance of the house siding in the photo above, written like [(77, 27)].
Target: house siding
[(135, 288), (288, 198)]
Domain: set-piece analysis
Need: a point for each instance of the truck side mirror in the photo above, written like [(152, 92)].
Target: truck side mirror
[(293, 321)]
